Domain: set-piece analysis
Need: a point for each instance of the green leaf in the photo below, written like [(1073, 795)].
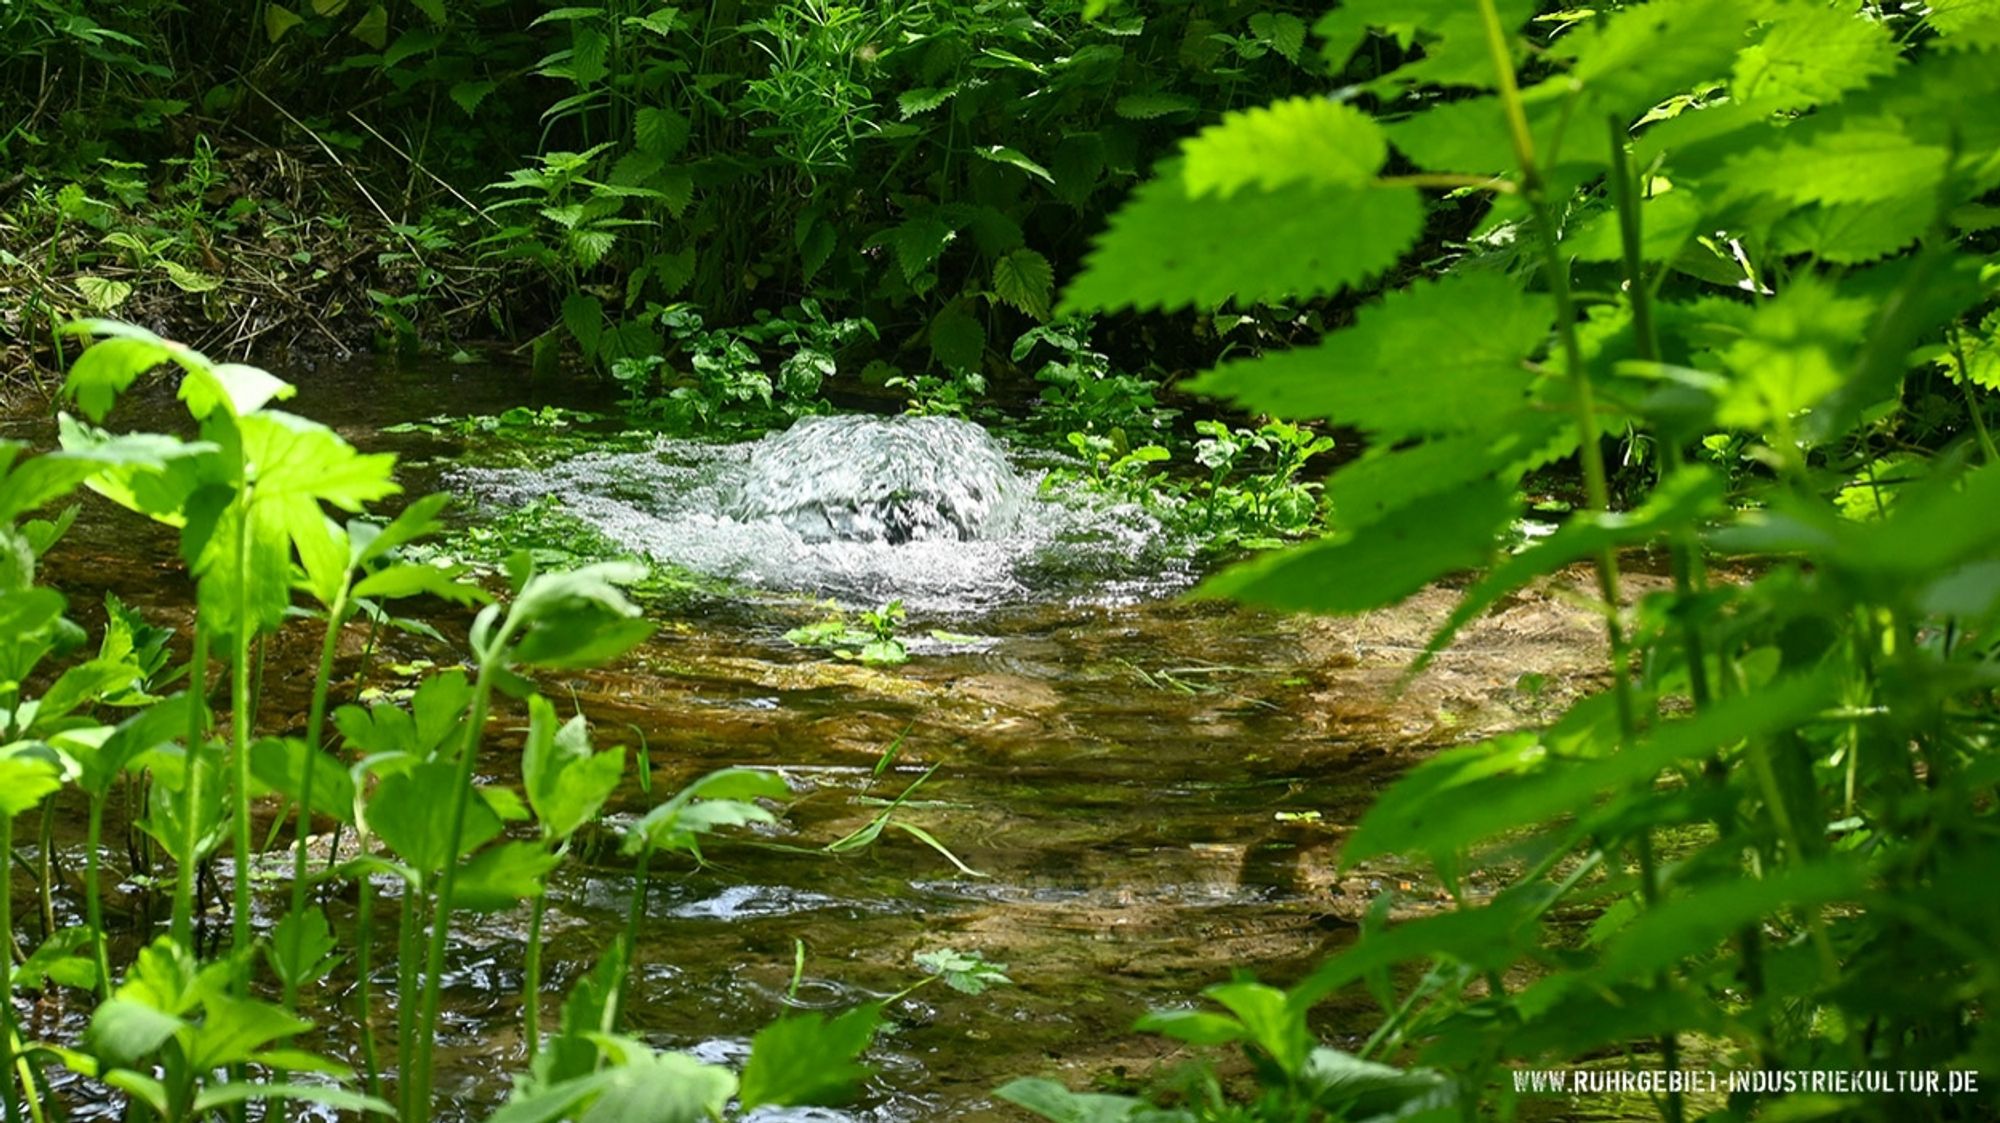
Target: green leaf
[(415, 579), (807, 1059), (1464, 795), (1666, 222), (1638, 56), (501, 877), (338, 1099), (1811, 54), (1014, 157), (1437, 357), (123, 1031), (408, 813), (1304, 139), (107, 367), (1285, 32), (566, 783), (373, 27), (301, 948), (280, 763), (468, 95), (1379, 564), (28, 773), (1679, 501), (1054, 1102), (1147, 106), (957, 340), (964, 972), (1025, 280), (279, 19), (104, 295), (1166, 249), (583, 315), (1451, 34), (918, 241), (660, 132), (1866, 162), (1699, 921), (1367, 1090), (1196, 1027), (1269, 1021), (910, 103)]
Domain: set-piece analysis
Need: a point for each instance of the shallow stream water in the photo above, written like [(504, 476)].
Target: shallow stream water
[(1151, 791)]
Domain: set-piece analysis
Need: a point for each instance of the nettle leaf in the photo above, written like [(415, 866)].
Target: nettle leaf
[(910, 103), (1866, 162), (1147, 106), (1285, 32), (1666, 222), (1308, 139), (1440, 356), (1014, 157), (1379, 564), (1793, 352), (1638, 56), (1025, 280), (1811, 54), (918, 242), (660, 132), (1515, 781), (1451, 33), (468, 95), (958, 341), (1166, 249)]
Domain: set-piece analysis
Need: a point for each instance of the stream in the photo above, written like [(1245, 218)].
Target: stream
[(1150, 790)]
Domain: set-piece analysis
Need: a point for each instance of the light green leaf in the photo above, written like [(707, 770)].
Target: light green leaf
[(1058, 1104), (1379, 564), (279, 19), (1811, 54), (1166, 249), (807, 1059), (1863, 163), (1437, 357), (1025, 280), (1304, 139), (1001, 154)]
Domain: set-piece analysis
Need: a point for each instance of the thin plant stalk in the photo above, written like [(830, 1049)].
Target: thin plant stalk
[(315, 729), (642, 882), (406, 982), (11, 1100), (364, 967), (1590, 451), (184, 877), (239, 719), (417, 1107), (93, 901), (531, 983)]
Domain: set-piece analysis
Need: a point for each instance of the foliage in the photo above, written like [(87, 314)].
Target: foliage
[(1755, 228), (184, 1037), (870, 640)]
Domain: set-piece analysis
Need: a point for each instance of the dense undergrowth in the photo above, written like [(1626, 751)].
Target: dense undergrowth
[(1755, 243)]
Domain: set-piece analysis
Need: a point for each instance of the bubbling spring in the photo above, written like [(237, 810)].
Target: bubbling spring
[(929, 510)]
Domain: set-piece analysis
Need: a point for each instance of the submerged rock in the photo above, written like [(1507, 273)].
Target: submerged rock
[(877, 479)]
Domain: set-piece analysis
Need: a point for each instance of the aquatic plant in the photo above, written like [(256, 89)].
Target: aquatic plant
[(185, 1037)]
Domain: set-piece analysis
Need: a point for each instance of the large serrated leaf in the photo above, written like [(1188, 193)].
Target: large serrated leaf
[(1166, 249), (1307, 139), (1441, 356), (1379, 564)]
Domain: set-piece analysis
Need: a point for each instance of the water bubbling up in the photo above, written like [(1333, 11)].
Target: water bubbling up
[(861, 509)]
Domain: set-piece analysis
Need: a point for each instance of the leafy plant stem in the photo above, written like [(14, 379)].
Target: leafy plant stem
[(315, 729), (239, 720), (93, 901), (531, 982), (184, 876), (641, 882), (1972, 407), (364, 969), (12, 1102), (417, 1106), (1589, 450)]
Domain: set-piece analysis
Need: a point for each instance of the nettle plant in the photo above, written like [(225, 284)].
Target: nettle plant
[(1759, 843), (183, 1036)]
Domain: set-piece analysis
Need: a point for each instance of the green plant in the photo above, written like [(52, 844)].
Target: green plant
[(872, 642), (1689, 224)]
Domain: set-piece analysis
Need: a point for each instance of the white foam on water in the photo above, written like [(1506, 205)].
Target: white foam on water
[(861, 510)]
